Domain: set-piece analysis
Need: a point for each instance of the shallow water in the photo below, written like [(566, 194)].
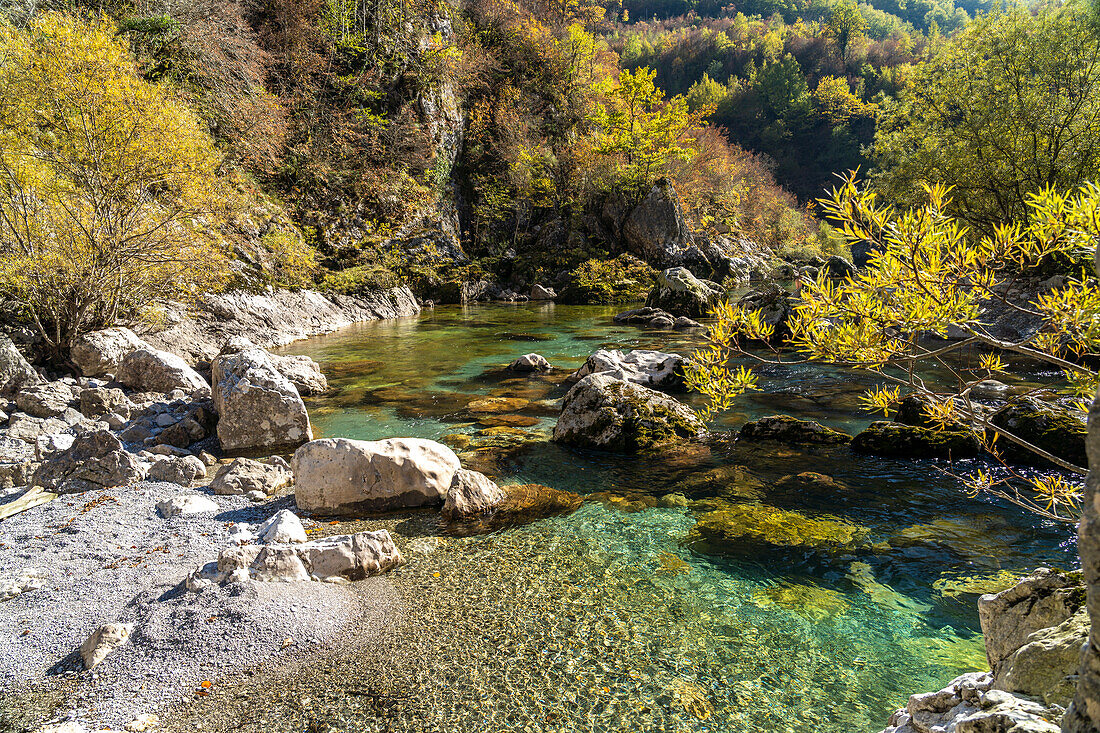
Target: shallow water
[(616, 617)]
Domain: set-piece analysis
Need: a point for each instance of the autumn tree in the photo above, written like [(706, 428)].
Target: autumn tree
[(844, 25), (1004, 108), (107, 182)]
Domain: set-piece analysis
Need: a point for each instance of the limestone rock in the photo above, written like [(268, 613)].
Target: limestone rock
[(530, 363), (186, 504), (1043, 599), (100, 401), (258, 407), (25, 427), (786, 429), (150, 370), (647, 317), (343, 557), (538, 292), (101, 352), (969, 705), (774, 305), (177, 470), (283, 527), (103, 641), (15, 371), (892, 439), (682, 294), (653, 369), (51, 399), (337, 476), (48, 446), (655, 230), (1045, 667), (244, 475), (471, 493), (603, 412), (95, 461), (304, 373)]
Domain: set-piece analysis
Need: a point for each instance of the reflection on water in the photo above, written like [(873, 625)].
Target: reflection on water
[(626, 615)]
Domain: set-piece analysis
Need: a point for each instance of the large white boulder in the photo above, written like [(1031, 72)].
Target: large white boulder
[(471, 493), (244, 476), (150, 370), (654, 369), (258, 408), (338, 476), (15, 371), (100, 352), (186, 504)]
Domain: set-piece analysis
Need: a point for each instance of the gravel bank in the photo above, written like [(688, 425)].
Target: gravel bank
[(107, 556)]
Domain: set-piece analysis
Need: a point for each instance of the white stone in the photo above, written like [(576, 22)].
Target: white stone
[(101, 352), (103, 641), (258, 407), (530, 363), (150, 370), (653, 369), (28, 580), (186, 504), (282, 528), (471, 493), (338, 476)]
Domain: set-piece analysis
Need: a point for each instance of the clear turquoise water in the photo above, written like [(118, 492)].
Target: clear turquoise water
[(614, 617)]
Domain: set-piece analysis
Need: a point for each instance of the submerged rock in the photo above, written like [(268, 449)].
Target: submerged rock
[(149, 370), (648, 317), (747, 527), (337, 476), (95, 461), (682, 294), (606, 413), (786, 429), (101, 352), (891, 439), (654, 369), (258, 408)]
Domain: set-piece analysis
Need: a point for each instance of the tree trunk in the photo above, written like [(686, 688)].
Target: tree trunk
[(1083, 715)]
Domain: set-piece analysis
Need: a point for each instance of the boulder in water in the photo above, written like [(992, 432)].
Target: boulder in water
[(786, 429), (895, 440), (682, 294), (603, 412), (530, 363), (654, 369), (1057, 430), (258, 408)]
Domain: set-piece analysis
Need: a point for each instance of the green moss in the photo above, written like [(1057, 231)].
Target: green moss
[(908, 441), (625, 279), (745, 527), (647, 425)]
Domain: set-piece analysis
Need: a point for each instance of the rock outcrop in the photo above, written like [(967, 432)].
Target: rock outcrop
[(969, 704), (655, 230), (150, 370), (654, 369), (269, 319), (258, 408), (682, 294), (337, 476), (606, 413), (101, 352)]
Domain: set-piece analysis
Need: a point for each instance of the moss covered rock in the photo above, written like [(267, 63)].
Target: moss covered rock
[(786, 429), (895, 440), (605, 413), (682, 294), (1056, 430)]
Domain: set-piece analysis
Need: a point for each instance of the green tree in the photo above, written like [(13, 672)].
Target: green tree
[(1004, 108), (105, 180), (844, 25)]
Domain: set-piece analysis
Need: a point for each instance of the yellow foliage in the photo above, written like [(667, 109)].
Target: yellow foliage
[(105, 180)]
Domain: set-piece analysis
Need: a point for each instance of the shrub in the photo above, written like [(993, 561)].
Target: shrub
[(624, 279)]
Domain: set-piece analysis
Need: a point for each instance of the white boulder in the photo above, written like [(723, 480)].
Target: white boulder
[(103, 641), (338, 476), (258, 407), (186, 504), (150, 370), (100, 352)]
